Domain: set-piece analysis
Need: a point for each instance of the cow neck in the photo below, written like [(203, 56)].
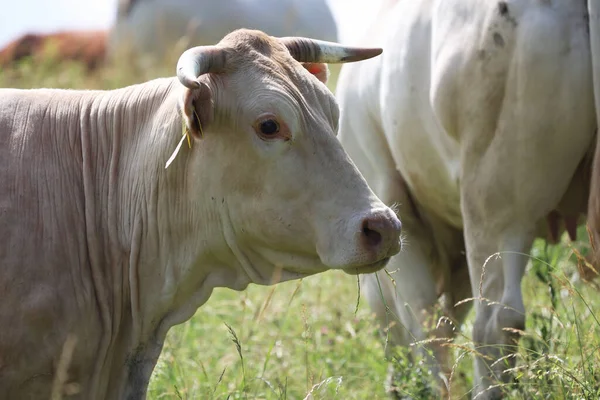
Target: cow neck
[(170, 229), (121, 134)]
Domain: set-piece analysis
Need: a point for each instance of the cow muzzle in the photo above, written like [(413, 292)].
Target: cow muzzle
[(365, 244)]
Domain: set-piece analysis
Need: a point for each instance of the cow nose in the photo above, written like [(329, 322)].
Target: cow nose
[(380, 233)]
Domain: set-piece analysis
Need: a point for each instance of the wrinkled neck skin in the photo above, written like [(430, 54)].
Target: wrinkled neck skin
[(168, 238)]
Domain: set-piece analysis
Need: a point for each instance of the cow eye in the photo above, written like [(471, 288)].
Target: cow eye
[(269, 127)]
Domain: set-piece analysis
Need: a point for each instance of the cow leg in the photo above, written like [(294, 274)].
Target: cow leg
[(500, 312), (457, 289), (509, 185), (406, 306), (503, 199), (407, 300), (460, 289), (525, 121)]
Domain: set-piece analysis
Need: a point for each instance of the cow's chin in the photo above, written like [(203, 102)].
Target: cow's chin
[(369, 268), (318, 267), (281, 266)]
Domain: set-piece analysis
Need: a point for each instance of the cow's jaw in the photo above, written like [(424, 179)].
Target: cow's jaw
[(368, 269)]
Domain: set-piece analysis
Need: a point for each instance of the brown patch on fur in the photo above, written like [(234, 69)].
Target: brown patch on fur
[(87, 47)]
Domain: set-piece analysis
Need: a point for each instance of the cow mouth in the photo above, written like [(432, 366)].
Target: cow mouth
[(369, 268)]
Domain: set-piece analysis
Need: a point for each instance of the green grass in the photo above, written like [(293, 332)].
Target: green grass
[(300, 334), (309, 337)]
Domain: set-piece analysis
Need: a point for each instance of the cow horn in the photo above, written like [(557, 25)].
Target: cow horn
[(198, 61), (312, 50)]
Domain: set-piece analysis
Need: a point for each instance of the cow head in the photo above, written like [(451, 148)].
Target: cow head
[(291, 201)]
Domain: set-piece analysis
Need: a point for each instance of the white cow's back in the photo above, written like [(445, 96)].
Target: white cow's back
[(153, 27)]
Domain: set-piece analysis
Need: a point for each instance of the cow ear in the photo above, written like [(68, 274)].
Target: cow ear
[(197, 109), (319, 70)]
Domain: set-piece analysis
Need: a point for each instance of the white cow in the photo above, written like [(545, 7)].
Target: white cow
[(153, 27), (594, 201), (102, 249), (477, 120)]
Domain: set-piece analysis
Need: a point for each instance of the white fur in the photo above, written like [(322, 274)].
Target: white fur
[(483, 119), (153, 27)]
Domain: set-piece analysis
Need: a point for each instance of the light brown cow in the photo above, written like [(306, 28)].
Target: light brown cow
[(101, 243), (87, 47)]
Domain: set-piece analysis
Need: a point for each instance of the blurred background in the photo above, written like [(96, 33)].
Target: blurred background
[(46, 16), (43, 16), (106, 44)]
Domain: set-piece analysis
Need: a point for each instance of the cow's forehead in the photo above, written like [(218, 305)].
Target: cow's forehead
[(258, 63), (284, 75), (254, 53)]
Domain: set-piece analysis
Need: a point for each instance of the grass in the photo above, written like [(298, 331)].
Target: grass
[(305, 337), (308, 339)]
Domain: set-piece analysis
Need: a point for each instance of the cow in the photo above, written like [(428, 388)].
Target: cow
[(86, 47), (594, 199), (478, 122), (153, 28), (104, 247)]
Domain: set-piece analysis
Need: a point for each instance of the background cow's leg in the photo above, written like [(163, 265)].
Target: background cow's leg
[(406, 299), (496, 282), (415, 312), (417, 272), (508, 185), (459, 289), (412, 311), (504, 195), (524, 123)]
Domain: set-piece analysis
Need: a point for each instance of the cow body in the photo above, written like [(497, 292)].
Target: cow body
[(594, 201), (87, 47), (151, 28), (477, 121), (65, 175), (102, 249)]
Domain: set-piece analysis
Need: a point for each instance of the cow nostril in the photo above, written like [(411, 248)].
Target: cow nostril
[(373, 237)]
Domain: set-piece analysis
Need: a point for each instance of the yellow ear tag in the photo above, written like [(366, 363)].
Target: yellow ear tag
[(186, 132), (199, 126)]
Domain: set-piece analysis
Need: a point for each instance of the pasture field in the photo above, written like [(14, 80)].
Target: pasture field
[(316, 339)]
